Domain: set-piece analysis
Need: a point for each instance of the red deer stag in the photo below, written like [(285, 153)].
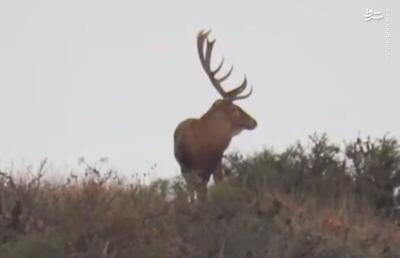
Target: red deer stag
[(199, 144)]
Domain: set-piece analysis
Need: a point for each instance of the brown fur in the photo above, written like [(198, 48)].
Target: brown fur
[(200, 143)]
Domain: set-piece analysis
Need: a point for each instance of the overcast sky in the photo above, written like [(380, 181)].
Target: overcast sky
[(114, 78)]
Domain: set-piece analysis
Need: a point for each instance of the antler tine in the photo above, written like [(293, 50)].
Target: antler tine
[(206, 59), (234, 94), (245, 95), (201, 37), (223, 78), (236, 91), (219, 66), (209, 49)]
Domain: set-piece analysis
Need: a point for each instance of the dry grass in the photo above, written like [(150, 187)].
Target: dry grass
[(263, 210)]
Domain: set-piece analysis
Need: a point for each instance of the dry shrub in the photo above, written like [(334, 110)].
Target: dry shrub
[(303, 202)]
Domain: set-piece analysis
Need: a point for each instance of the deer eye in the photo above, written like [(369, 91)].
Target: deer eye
[(236, 110)]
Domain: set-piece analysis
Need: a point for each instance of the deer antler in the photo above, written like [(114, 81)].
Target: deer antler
[(205, 59)]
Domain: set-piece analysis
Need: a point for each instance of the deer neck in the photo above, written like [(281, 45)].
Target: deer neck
[(218, 132)]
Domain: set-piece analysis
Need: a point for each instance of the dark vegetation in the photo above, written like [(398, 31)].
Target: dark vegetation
[(317, 200)]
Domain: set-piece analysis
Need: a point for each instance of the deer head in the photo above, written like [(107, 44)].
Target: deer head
[(226, 111)]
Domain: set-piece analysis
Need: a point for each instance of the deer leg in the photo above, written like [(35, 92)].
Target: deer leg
[(218, 174), (193, 184), (191, 193), (202, 192)]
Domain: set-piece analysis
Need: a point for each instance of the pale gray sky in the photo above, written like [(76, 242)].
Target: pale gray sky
[(114, 78)]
